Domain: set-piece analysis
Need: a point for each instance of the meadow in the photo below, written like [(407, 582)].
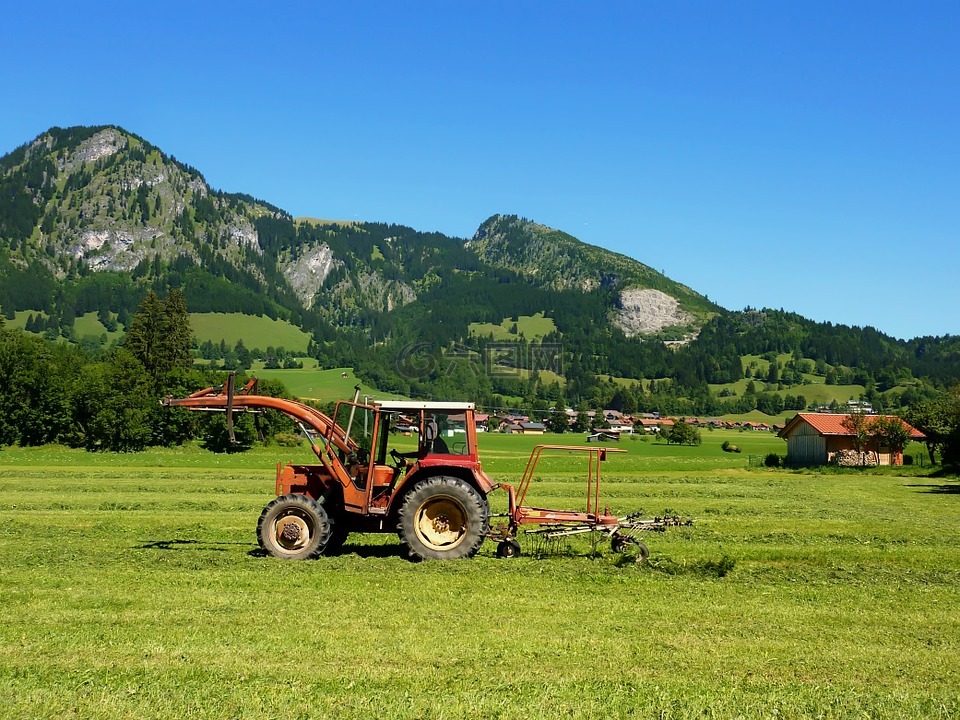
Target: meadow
[(322, 385), (131, 587), (532, 327), (255, 331)]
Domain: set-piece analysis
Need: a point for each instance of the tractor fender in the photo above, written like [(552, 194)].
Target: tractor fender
[(476, 478)]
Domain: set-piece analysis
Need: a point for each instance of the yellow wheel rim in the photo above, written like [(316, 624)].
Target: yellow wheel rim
[(440, 523), (292, 532)]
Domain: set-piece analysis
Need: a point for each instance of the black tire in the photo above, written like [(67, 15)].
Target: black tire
[(443, 518), (642, 551), (620, 543), (294, 527), (508, 548)]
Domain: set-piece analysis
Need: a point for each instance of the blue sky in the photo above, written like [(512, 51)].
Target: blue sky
[(795, 155)]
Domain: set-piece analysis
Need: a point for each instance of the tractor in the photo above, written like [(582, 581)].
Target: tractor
[(435, 498)]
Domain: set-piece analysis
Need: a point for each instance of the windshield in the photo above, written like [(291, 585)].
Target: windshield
[(449, 436)]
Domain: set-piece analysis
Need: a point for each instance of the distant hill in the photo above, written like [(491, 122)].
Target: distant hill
[(647, 301), (85, 209)]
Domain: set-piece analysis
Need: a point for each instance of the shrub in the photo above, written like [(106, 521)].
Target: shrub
[(772, 460), (287, 439)]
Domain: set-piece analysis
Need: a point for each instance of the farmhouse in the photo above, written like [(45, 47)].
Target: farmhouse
[(532, 428), (524, 428), (815, 438), (648, 425)]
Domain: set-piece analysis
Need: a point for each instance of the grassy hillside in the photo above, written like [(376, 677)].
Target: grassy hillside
[(624, 382), (20, 320), (532, 327), (132, 586), (546, 376), (320, 385), (256, 332), (814, 393), (89, 324)]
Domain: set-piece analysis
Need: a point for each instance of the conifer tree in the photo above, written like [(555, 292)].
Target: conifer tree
[(159, 335)]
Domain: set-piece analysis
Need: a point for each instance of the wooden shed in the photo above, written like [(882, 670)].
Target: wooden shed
[(815, 438)]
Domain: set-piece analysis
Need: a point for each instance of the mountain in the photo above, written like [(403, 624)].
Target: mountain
[(647, 301), (91, 217), (80, 202)]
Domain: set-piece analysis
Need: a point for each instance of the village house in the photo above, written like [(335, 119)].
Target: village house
[(532, 428), (525, 428), (622, 425), (647, 425), (816, 438)]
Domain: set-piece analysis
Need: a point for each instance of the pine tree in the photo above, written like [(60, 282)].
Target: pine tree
[(159, 335), (178, 335)]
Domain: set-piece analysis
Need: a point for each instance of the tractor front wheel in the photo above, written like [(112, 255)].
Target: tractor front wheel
[(443, 518), (294, 527)]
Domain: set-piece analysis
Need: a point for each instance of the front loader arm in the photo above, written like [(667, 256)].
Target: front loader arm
[(221, 398)]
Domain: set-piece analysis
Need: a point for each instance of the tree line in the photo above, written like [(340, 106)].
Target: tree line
[(55, 392)]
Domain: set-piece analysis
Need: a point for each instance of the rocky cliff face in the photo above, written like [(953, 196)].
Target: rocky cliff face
[(646, 311), (307, 273), (110, 201)]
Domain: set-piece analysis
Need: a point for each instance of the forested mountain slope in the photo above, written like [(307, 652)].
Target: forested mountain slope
[(647, 301), (89, 217)]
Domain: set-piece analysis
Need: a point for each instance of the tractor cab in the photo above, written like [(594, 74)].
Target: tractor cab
[(446, 438)]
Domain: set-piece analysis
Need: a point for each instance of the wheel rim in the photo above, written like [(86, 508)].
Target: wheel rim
[(440, 523), (292, 532)]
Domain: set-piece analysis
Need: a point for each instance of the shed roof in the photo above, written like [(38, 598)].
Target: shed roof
[(832, 424)]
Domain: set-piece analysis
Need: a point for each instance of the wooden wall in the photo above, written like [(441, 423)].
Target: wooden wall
[(805, 446)]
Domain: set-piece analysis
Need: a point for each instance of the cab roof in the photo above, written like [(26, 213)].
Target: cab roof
[(403, 405)]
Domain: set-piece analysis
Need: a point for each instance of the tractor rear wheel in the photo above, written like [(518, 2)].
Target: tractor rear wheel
[(443, 518), (294, 527)]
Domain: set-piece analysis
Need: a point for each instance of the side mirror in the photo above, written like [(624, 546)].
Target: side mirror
[(430, 431)]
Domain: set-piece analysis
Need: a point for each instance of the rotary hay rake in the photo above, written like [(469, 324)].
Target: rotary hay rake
[(554, 527)]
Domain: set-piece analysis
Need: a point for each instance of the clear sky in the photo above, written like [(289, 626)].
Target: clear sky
[(803, 155)]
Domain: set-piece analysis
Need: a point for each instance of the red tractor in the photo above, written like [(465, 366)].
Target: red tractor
[(434, 498)]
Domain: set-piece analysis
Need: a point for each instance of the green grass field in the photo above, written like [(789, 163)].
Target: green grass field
[(624, 382), (532, 327), (89, 324), (20, 319), (131, 587), (256, 332), (322, 385)]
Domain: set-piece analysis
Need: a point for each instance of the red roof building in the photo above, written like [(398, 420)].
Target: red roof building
[(816, 438)]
